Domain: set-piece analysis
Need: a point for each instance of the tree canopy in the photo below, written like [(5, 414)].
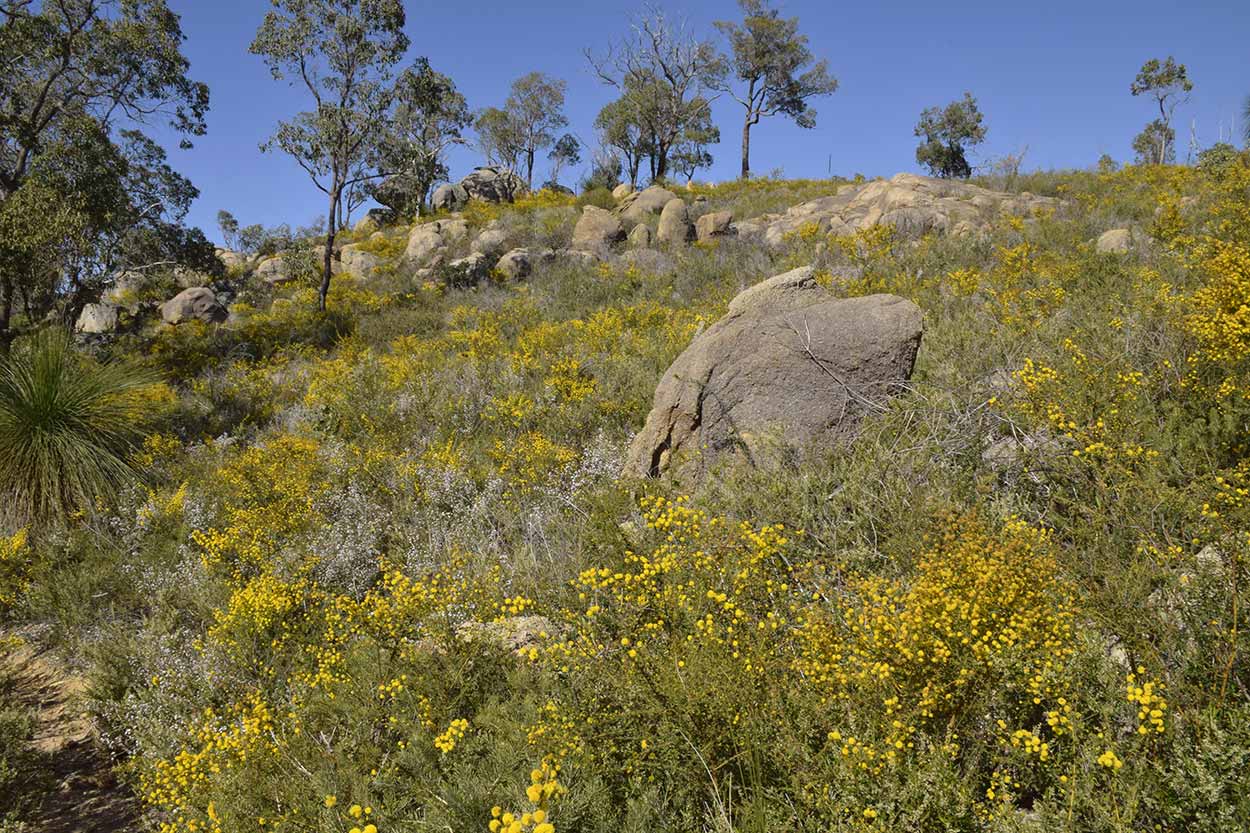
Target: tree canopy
[(947, 133), (430, 115), (1167, 82), (79, 82), (666, 76), (769, 57), (343, 53)]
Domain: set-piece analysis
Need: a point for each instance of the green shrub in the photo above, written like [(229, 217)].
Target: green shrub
[(67, 427)]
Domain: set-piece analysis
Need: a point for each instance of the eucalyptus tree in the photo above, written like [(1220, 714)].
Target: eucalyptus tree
[(622, 130), (499, 137), (79, 82), (1167, 82), (535, 107), (947, 133), (665, 74), (769, 58), (343, 53), (430, 116), (566, 151)]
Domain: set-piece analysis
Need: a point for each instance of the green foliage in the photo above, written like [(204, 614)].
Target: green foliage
[(430, 116), (344, 54), (664, 76), (514, 134), (1167, 82), (1218, 160), (67, 427), (770, 56), (1014, 603), (1155, 145), (947, 134), (73, 70)]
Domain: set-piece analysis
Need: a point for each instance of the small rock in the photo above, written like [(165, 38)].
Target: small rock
[(622, 191), (650, 261), (197, 303), (96, 319), (516, 633), (715, 224), (1115, 241)]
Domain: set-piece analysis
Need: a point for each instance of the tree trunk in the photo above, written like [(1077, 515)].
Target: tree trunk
[(746, 147), (328, 260), (529, 169), (6, 313)]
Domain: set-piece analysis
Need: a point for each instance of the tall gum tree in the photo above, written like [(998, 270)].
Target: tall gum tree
[(74, 74), (664, 73), (1167, 82), (344, 54), (769, 56)]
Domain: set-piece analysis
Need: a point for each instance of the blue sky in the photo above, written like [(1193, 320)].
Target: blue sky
[(1050, 76)]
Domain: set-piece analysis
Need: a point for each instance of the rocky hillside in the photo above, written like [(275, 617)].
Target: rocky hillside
[(900, 504)]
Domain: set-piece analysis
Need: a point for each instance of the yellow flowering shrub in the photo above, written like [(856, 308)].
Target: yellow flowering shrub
[(14, 564)]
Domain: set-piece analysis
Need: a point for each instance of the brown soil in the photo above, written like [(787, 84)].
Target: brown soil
[(75, 788)]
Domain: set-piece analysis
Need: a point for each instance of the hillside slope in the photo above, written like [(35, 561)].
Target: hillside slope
[(388, 575)]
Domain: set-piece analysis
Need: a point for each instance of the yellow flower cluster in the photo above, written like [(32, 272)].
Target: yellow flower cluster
[(223, 742), (447, 740), (544, 787), (1151, 704), (13, 566)]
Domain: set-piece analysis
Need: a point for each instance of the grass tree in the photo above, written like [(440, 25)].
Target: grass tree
[(769, 57), (68, 426), (343, 52)]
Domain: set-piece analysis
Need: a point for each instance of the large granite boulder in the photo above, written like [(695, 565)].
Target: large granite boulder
[(642, 204), (449, 197), (622, 191), (789, 366), (354, 260), (274, 270), (640, 237), (675, 227), (467, 271), (596, 230), (234, 261), (428, 242), (195, 304), (716, 224), (492, 242), (514, 265), (912, 204)]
